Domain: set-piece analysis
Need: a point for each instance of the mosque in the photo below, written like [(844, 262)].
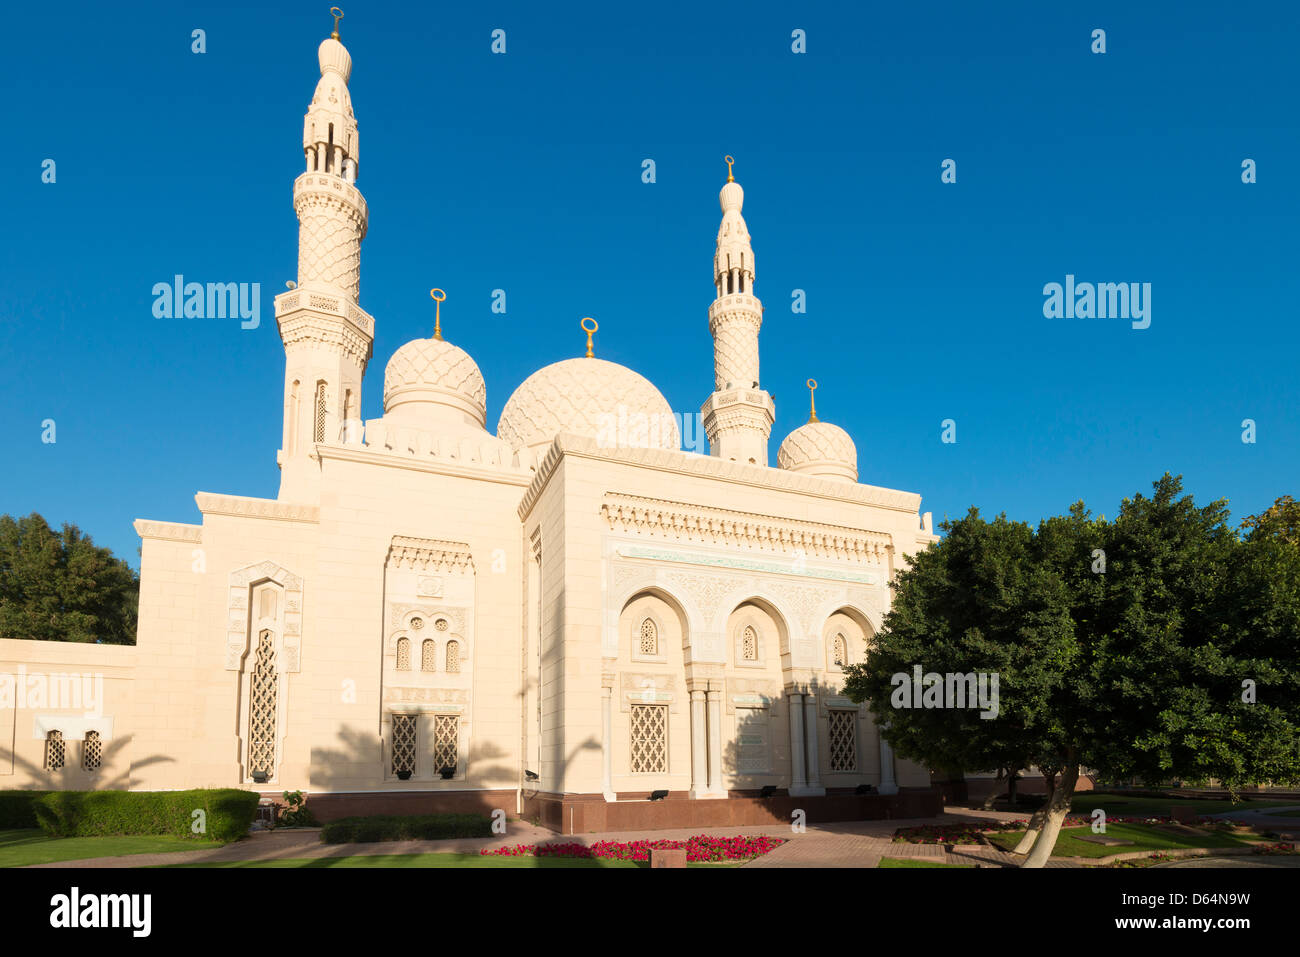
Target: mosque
[(571, 619)]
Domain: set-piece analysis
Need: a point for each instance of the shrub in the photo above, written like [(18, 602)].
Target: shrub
[(416, 827), (297, 814), (229, 813), (18, 808)]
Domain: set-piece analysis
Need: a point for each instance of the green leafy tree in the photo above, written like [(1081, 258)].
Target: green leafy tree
[(1280, 520), (1156, 645), (61, 587)]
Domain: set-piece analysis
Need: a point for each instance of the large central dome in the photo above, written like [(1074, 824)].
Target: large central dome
[(589, 397)]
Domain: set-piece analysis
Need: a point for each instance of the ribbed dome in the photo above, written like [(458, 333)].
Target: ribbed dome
[(819, 448), (333, 55), (590, 397), (427, 377)]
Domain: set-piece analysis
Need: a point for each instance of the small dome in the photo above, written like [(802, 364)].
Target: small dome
[(432, 380), (819, 448), (590, 397), (731, 197), (333, 55)]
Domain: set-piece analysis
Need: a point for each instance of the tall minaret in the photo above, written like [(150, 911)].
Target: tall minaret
[(738, 416), (327, 336)]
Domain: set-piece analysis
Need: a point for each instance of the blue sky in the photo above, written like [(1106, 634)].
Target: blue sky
[(523, 172)]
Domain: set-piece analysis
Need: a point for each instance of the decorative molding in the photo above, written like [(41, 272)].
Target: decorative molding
[(238, 640), (793, 567), (682, 521), (240, 506), (168, 531), (430, 555)]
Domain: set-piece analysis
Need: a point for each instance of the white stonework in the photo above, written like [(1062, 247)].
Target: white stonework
[(520, 602)]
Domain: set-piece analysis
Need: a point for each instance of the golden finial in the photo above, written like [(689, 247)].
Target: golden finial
[(729, 161), (812, 399), (337, 14), (594, 327), (438, 297)]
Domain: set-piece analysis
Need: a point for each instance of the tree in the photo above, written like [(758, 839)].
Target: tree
[(61, 587), (1280, 520), (1132, 647)]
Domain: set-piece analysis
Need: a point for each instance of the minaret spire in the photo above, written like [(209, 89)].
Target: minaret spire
[(738, 416), (328, 338)]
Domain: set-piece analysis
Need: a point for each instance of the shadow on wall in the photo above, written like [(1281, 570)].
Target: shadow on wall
[(73, 778)]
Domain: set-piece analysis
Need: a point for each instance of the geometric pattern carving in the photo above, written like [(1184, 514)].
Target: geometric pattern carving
[(649, 739), (428, 654), (403, 654), (843, 740), (429, 554), (403, 742), (839, 651), (237, 613), (719, 526), (453, 657), (54, 751), (649, 638), (319, 435), (262, 708), (92, 751), (749, 644), (446, 742), (438, 364)]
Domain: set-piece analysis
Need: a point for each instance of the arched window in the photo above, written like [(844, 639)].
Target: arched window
[(261, 709), (428, 654), (839, 650), (92, 751), (749, 644), (54, 750), (453, 657), (403, 654), (320, 411), (649, 638)]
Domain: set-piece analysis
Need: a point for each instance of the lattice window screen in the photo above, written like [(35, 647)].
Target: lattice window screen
[(649, 638), (839, 650), (403, 743), (428, 655), (446, 742), (843, 740), (261, 708), (649, 739), (320, 412), (453, 657), (403, 654), (54, 750), (92, 751), (749, 644)]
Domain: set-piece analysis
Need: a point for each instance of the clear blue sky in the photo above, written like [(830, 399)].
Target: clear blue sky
[(523, 172)]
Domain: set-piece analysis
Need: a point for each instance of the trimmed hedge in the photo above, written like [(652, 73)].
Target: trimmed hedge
[(415, 827), (229, 813), (18, 808)]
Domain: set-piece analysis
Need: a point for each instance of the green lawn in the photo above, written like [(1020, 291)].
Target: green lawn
[(1145, 837), (1121, 805), (889, 862), (440, 860), (33, 846)]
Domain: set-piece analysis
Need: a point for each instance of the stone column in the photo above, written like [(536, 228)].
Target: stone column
[(715, 743), (887, 783), (607, 747), (795, 703), (810, 729), (699, 746)]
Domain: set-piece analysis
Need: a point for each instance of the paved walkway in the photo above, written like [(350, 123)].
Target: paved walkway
[(848, 844)]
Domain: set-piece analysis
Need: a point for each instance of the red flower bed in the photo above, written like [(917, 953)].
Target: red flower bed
[(698, 848)]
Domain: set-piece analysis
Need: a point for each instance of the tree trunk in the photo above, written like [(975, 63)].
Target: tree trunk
[(1038, 817), (1057, 809), (993, 794), (1012, 777)]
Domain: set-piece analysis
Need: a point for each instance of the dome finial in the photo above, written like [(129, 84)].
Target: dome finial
[(438, 297), (730, 162), (337, 14), (594, 327), (812, 399)]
